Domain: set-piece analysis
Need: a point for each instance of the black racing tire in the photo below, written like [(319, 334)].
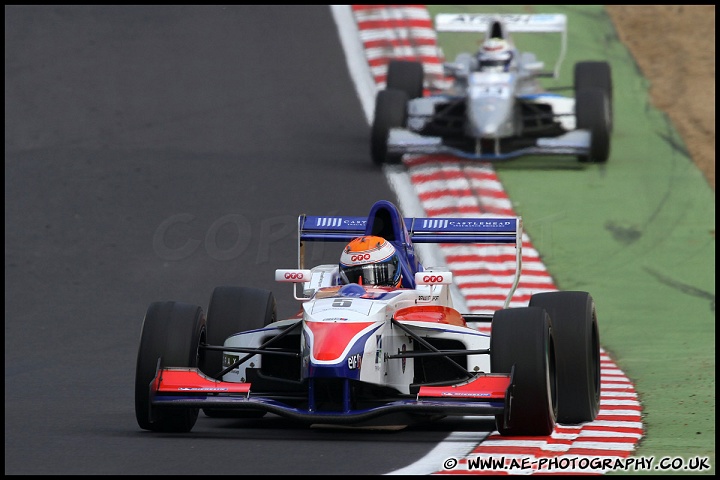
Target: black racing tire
[(595, 74), (390, 112), (521, 342), (407, 76), (592, 113), (232, 310), (577, 349), (171, 335)]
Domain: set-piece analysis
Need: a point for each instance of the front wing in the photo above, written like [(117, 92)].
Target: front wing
[(482, 395), (404, 141)]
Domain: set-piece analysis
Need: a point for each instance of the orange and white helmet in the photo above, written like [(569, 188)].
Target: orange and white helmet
[(370, 260), (495, 54)]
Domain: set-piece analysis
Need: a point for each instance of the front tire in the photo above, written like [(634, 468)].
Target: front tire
[(171, 335), (521, 342), (595, 74), (592, 112), (577, 345), (390, 112), (407, 76), (233, 310)]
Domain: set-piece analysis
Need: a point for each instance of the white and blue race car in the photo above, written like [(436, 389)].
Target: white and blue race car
[(361, 355), (495, 114)]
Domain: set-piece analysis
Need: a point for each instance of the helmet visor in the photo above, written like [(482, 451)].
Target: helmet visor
[(493, 63), (383, 274)]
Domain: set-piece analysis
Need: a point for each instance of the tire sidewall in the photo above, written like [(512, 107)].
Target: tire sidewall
[(390, 112), (231, 310), (171, 336), (594, 74), (574, 320), (592, 113), (408, 76), (521, 342)]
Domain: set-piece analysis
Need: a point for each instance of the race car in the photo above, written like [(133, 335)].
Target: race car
[(362, 355), (495, 108)]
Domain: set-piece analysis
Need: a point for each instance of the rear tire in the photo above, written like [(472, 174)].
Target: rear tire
[(595, 74), (577, 347), (233, 310), (407, 76), (592, 112), (390, 112), (522, 339), (171, 335)]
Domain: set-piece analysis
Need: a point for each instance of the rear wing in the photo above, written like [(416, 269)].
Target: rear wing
[(522, 23), (480, 22), (485, 230), (421, 230)]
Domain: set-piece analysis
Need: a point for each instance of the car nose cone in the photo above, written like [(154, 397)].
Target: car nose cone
[(486, 117)]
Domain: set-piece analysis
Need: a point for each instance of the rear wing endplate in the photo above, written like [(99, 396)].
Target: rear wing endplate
[(522, 23)]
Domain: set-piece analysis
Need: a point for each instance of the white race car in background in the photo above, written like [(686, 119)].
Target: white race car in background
[(495, 116)]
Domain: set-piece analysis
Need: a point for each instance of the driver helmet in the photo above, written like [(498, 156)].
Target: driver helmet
[(370, 260), (495, 55)]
